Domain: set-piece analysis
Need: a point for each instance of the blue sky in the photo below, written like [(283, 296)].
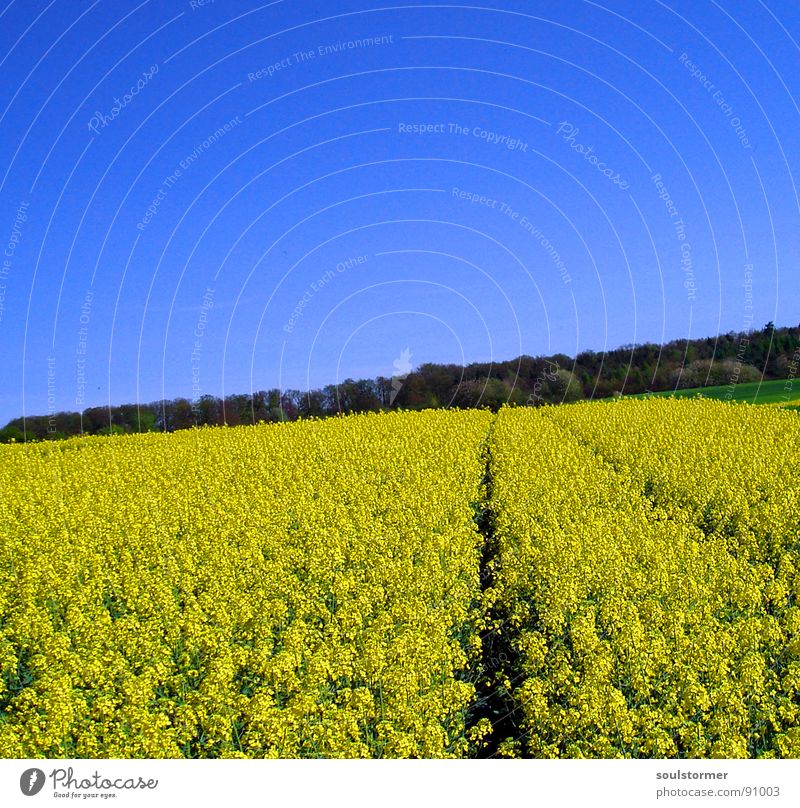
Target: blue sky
[(231, 196)]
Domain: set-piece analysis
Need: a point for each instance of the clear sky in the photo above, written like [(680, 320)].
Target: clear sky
[(230, 196)]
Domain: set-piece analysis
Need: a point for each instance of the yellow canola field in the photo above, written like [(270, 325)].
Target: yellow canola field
[(601, 580), (646, 578), (294, 590)]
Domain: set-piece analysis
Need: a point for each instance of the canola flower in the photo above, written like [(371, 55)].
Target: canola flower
[(647, 578), (322, 589), (299, 590)]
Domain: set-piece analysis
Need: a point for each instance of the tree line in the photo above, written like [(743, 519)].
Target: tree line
[(769, 353)]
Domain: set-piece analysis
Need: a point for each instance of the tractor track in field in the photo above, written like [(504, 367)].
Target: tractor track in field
[(498, 658)]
